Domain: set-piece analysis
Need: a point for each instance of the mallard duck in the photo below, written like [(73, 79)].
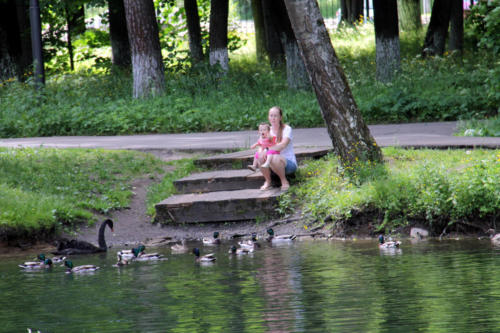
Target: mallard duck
[(247, 245), (387, 245), (121, 262), (494, 238), (279, 238), (206, 258), (56, 260), (180, 248), (81, 247), (140, 255), (46, 263), (215, 240), (239, 251), (79, 269)]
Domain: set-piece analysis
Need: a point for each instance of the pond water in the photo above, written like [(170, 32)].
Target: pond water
[(320, 286)]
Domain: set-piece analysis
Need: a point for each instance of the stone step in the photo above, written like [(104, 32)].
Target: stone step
[(219, 180), (248, 204), (240, 159)]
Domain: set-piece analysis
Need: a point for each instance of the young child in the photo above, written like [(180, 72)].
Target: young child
[(263, 156)]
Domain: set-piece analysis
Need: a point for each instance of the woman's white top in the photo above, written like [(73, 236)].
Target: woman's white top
[(287, 152)]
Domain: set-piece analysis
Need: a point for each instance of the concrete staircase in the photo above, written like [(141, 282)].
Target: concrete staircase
[(225, 194)]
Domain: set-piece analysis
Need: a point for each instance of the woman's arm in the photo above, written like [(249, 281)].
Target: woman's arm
[(282, 145)]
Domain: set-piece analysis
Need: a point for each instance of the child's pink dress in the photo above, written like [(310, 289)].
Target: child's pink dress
[(266, 143)]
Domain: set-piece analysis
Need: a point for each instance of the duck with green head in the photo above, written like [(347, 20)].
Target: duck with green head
[(387, 245), (32, 265), (278, 238), (79, 269), (215, 240), (206, 258), (140, 255)]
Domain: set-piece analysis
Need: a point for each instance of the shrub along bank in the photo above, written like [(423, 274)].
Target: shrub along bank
[(438, 189)]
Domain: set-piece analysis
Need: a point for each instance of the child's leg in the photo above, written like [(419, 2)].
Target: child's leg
[(253, 166), (269, 158)]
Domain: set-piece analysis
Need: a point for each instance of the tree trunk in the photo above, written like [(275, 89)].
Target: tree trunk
[(25, 60), (456, 42), (194, 30), (350, 136), (273, 42), (260, 35), (352, 11), (386, 39), (435, 37), (120, 46), (69, 35), (409, 15), (296, 72), (147, 62), (10, 41), (219, 11)]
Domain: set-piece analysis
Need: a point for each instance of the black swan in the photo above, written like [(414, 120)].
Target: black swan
[(75, 246)]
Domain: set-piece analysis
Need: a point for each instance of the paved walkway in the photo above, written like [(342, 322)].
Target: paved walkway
[(435, 135)]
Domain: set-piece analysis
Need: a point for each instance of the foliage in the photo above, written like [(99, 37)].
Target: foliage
[(483, 25), (44, 190), (165, 188), (480, 127), (438, 187)]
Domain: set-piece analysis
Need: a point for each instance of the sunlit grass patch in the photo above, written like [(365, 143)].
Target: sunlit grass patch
[(46, 189)]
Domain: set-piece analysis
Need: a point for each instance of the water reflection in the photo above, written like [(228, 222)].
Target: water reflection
[(448, 286)]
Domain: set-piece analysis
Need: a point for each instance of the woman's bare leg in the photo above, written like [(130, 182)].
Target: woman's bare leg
[(278, 165)]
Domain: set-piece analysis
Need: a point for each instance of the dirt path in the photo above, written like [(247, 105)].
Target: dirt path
[(133, 225)]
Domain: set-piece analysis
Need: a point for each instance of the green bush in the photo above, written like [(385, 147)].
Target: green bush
[(438, 187), (483, 25)]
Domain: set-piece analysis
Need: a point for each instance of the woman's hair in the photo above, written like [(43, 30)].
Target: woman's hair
[(279, 135)]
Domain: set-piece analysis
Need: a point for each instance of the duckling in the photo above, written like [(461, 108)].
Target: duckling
[(212, 241), (206, 258), (31, 265), (121, 262), (239, 251), (279, 238), (387, 245), (140, 255), (79, 269), (180, 248)]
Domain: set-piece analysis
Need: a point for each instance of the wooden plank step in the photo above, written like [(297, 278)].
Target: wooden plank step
[(248, 204), (219, 180), (240, 159)]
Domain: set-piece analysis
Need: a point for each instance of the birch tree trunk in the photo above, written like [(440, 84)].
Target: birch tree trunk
[(219, 11), (456, 42), (435, 38), (409, 15), (387, 49), (118, 35), (147, 62), (260, 35), (273, 42), (350, 136), (194, 30)]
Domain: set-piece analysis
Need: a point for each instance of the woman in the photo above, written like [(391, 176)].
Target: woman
[(285, 163)]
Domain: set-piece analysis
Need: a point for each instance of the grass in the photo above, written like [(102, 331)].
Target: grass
[(481, 127), (93, 102), (434, 187), (44, 190)]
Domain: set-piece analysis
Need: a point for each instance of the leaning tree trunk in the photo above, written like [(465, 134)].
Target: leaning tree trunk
[(260, 35), (296, 72), (435, 37), (350, 136), (147, 63), (194, 30), (273, 42), (219, 11), (386, 39), (456, 42), (409, 15), (120, 46)]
